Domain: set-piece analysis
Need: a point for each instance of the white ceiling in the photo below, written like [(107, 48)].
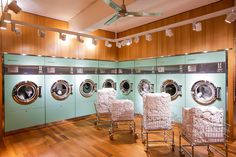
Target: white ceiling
[(90, 15)]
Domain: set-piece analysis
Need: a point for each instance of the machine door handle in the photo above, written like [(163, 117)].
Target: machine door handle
[(152, 88), (131, 87), (40, 91), (95, 87), (180, 90), (218, 96), (70, 88), (115, 85)]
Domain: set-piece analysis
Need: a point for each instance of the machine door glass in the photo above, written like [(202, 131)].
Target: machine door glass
[(26, 92), (171, 87), (87, 88), (61, 90), (145, 86), (205, 92), (126, 87), (109, 83)]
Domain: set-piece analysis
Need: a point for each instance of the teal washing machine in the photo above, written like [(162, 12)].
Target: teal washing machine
[(125, 77), (59, 84), (144, 81), (23, 92), (171, 79), (107, 74), (206, 80), (86, 80)]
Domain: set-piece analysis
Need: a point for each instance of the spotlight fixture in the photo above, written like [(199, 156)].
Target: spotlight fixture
[(79, 39), (14, 29), (118, 44), (169, 32), (41, 33), (136, 39), (108, 44), (62, 36), (6, 17), (148, 37), (3, 25), (197, 26), (231, 17), (14, 7), (94, 41), (128, 42)]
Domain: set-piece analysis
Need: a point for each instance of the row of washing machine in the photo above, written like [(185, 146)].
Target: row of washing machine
[(41, 90)]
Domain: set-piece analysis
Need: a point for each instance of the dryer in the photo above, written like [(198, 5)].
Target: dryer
[(23, 92), (107, 74), (206, 80), (171, 79), (125, 80), (145, 80), (59, 86), (86, 81)]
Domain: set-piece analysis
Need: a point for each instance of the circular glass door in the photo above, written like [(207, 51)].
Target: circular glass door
[(26, 92), (109, 83), (144, 87), (204, 92), (87, 88), (125, 87), (171, 87), (61, 90)]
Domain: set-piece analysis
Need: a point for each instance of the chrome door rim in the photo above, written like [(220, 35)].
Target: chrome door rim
[(56, 93), (108, 81), (91, 84), (141, 87), (177, 87), (122, 88)]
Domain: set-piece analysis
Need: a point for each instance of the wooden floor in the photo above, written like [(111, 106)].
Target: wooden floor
[(80, 138)]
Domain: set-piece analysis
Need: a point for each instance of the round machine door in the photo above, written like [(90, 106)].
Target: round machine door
[(171, 87), (145, 86), (109, 83), (87, 88), (126, 87), (61, 90), (205, 92), (26, 92)]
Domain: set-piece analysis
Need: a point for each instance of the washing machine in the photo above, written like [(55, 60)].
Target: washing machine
[(125, 77), (144, 81), (171, 79), (59, 89), (23, 92), (86, 81), (206, 80), (107, 74)]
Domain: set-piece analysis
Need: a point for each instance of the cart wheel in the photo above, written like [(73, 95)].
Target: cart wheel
[(95, 122), (143, 141), (173, 148), (210, 153), (145, 149), (181, 154), (111, 137)]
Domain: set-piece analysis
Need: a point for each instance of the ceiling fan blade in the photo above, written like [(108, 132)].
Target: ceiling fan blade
[(140, 14), (113, 5), (113, 19)]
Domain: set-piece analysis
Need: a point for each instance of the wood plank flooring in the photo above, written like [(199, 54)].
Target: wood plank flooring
[(80, 138)]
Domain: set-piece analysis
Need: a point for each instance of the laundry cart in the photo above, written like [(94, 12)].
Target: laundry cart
[(157, 119), (105, 97), (122, 113), (203, 126)]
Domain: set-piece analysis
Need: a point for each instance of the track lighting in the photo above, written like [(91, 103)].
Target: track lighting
[(148, 37), (231, 17), (118, 44), (197, 26), (79, 39), (108, 44), (14, 7), (136, 39), (14, 29), (94, 41), (62, 36), (41, 33), (169, 32), (128, 42), (6, 17), (3, 25)]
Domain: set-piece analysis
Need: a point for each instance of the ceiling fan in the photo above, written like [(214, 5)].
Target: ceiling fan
[(121, 11)]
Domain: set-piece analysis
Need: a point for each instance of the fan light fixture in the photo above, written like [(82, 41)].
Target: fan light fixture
[(231, 17), (148, 37), (197, 26), (169, 32), (108, 44), (41, 33), (62, 36), (79, 39)]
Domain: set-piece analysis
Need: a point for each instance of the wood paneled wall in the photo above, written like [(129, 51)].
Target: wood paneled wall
[(216, 34), (30, 43)]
